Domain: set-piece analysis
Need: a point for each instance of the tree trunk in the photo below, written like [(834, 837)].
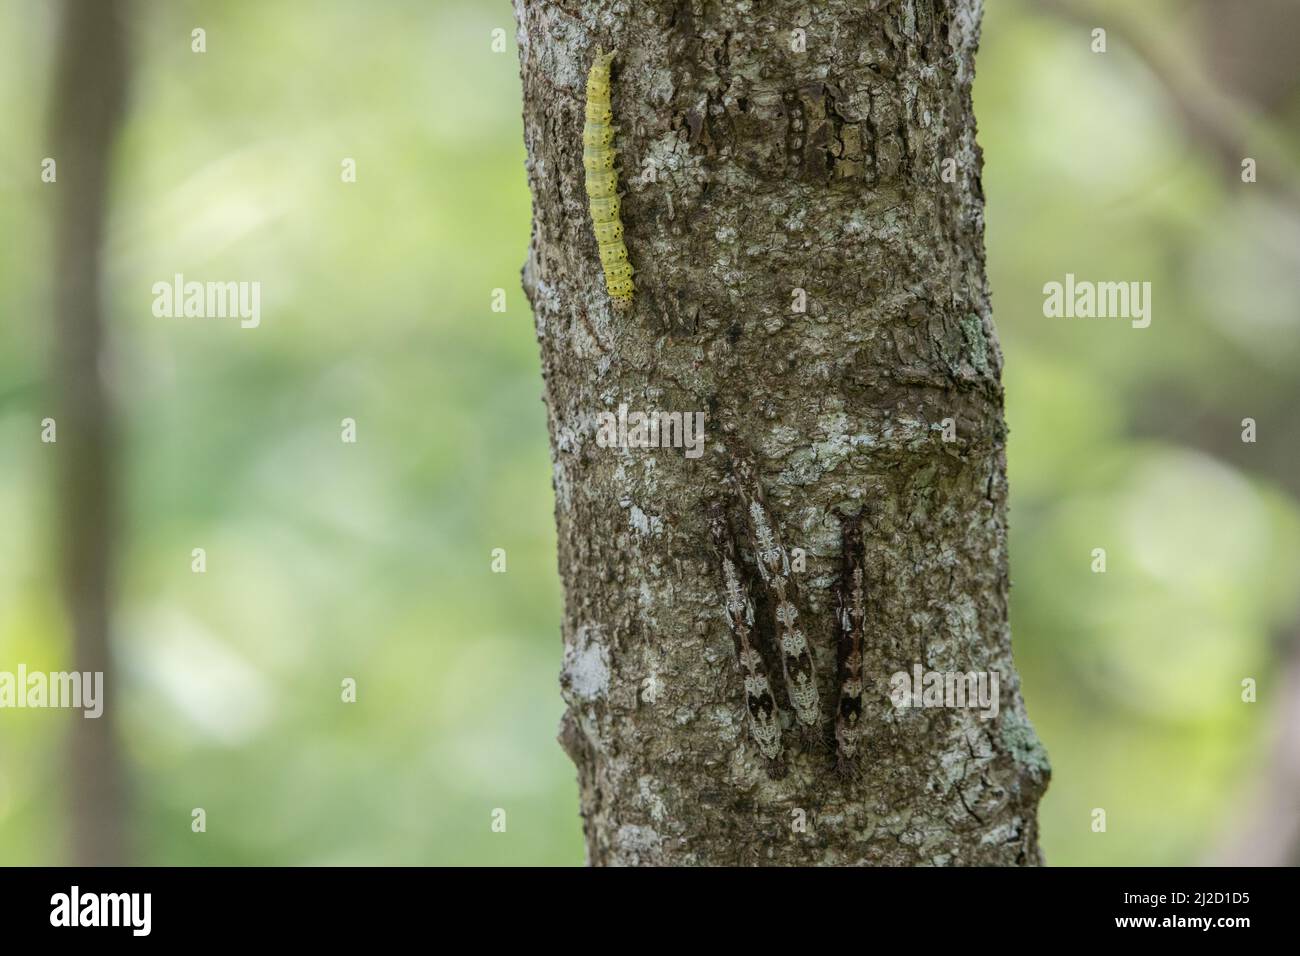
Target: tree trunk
[(87, 110), (808, 277)]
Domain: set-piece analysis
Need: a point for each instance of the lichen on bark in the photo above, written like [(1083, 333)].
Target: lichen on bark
[(761, 178)]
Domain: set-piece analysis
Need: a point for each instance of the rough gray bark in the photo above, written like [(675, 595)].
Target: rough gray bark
[(777, 170), (87, 106)]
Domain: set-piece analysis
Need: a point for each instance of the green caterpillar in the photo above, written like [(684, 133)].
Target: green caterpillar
[(602, 183)]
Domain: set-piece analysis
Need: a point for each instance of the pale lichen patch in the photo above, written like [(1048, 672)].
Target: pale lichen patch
[(647, 788), (585, 673), (642, 523), (973, 329), (637, 844)]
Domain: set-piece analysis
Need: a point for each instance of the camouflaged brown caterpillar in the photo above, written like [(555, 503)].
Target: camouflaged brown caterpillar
[(760, 703), (850, 621), (598, 156), (774, 568)]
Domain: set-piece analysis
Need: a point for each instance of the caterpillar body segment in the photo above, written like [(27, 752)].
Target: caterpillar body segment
[(598, 155)]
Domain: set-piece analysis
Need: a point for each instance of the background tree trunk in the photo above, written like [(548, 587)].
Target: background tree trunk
[(773, 170), (87, 108)]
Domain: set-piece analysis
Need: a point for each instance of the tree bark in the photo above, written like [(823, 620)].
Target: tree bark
[(754, 170), (87, 108)]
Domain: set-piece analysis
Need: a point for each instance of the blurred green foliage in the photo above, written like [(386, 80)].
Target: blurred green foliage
[(328, 560)]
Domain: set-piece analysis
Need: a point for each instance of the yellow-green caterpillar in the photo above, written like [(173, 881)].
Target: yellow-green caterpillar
[(602, 183)]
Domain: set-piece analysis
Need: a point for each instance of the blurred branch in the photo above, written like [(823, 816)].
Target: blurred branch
[(1212, 118), (1269, 831), (87, 106)]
